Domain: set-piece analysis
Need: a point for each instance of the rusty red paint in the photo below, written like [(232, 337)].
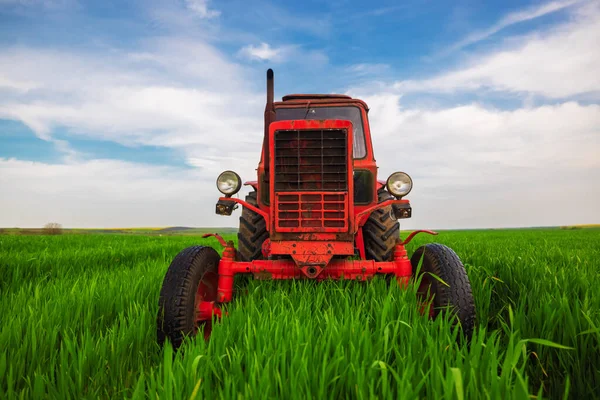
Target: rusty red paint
[(266, 248), (360, 243), (312, 256), (347, 206)]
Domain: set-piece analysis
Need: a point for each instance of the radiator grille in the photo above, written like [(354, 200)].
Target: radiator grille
[(311, 160), (311, 212), (311, 180)]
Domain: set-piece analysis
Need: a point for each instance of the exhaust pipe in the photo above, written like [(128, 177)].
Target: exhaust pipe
[(270, 89), (269, 117)]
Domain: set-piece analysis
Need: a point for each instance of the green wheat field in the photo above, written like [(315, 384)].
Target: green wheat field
[(78, 312)]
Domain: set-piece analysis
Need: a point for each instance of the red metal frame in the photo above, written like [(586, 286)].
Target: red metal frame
[(359, 270)]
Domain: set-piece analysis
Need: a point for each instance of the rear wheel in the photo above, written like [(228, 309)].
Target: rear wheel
[(456, 296), (252, 232), (190, 282), (381, 231)]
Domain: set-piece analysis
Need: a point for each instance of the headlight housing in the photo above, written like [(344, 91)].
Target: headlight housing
[(229, 183), (399, 184)]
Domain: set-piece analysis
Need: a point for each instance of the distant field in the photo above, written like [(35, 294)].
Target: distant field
[(172, 230), (183, 230), (78, 321)]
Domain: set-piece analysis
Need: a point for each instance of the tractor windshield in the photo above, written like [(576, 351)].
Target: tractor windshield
[(346, 113)]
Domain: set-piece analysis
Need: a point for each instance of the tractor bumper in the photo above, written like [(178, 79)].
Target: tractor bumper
[(359, 270)]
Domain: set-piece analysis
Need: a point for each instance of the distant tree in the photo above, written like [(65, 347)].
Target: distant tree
[(53, 228)]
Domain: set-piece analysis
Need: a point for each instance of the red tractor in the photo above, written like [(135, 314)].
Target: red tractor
[(316, 211)]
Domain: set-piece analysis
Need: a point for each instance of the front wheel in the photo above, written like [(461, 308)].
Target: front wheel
[(454, 293), (192, 278)]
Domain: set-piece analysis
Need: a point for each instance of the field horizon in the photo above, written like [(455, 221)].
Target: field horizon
[(187, 230)]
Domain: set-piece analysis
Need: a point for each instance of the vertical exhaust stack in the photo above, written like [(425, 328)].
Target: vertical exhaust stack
[(269, 117)]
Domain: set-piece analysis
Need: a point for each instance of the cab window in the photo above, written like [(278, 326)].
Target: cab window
[(350, 113)]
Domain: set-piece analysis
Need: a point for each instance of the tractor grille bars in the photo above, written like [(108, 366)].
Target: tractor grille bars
[(311, 180), (311, 160)]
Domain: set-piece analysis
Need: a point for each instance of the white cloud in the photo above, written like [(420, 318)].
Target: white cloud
[(301, 57), (263, 52), (557, 64), (480, 167), (472, 166), (368, 69), (105, 193), (512, 19), (172, 93), (201, 8)]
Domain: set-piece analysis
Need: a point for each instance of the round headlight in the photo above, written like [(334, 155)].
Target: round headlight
[(399, 184), (229, 183)]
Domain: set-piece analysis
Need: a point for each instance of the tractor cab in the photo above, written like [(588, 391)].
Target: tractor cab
[(339, 107), (322, 107)]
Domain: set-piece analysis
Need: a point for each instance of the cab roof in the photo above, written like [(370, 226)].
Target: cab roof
[(314, 96), (305, 99)]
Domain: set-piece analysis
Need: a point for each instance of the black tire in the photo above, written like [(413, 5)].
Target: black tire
[(457, 296), (179, 296), (381, 231), (252, 232)]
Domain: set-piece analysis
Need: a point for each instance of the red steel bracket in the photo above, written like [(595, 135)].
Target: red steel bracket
[(249, 206), (361, 218), (254, 184), (415, 233), (216, 236)]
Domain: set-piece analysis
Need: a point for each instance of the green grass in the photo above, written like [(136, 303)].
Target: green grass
[(77, 320)]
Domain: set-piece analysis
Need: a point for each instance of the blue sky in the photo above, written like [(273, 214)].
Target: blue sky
[(121, 113)]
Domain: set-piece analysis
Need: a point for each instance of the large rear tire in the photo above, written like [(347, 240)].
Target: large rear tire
[(381, 231), (457, 295), (191, 278), (252, 232)]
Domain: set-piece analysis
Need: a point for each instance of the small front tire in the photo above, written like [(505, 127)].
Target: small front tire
[(191, 278), (456, 295)]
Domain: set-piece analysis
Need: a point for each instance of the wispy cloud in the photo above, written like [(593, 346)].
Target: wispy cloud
[(290, 53), (201, 8), (263, 52), (173, 93), (509, 20), (560, 63), (368, 69)]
